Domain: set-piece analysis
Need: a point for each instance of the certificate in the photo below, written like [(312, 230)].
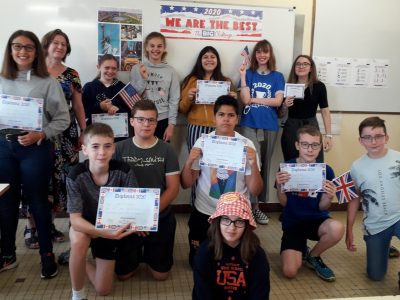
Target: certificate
[(208, 90), (223, 152), (294, 90), (304, 177), (21, 112), (119, 206), (118, 123)]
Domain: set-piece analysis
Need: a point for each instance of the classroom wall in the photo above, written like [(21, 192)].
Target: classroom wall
[(345, 145)]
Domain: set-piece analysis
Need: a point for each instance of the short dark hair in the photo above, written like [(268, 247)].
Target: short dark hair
[(373, 122), (226, 100), (9, 68), (48, 38), (144, 105), (308, 129), (97, 129)]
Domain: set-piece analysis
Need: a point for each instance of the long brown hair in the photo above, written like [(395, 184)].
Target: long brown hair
[(264, 46), (9, 68), (248, 242), (312, 76)]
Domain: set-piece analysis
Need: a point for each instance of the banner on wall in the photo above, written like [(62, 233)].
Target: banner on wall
[(210, 22), (120, 34)]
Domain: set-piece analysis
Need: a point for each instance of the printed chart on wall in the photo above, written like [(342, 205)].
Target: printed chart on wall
[(120, 34), (357, 54)]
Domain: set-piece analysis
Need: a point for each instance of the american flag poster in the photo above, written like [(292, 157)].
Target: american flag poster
[(211, 22), (345, 189)]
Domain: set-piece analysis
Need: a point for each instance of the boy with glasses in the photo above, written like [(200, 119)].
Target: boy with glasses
[(305, 214), (376, 176), (155, 164)]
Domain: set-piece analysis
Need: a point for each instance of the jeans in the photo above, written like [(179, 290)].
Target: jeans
[(28, 168), (378, 251)]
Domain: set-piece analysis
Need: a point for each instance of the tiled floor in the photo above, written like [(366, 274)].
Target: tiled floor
[(24, 282)]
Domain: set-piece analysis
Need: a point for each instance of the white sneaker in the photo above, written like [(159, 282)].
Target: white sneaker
[(260, 217)]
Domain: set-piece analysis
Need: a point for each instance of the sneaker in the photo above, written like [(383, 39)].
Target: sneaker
[(8, 262), (322, 270), (31, 238), (305, 253), (260, 217), (49, 266), (57, 235), (63, 258), (393, 252)]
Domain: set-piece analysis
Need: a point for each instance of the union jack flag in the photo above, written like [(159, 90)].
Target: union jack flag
[(345, 189), (245, 53), (129, 95)]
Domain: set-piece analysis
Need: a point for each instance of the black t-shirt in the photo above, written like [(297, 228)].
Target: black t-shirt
[(307, 107)]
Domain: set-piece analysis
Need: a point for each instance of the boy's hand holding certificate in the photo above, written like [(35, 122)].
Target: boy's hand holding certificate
[(209, 90), (223, 152), (119, 206), (304, 177)]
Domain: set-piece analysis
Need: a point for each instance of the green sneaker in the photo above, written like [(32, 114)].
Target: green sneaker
[(322, 270)]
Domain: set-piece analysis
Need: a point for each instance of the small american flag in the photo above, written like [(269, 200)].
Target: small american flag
[(345, 189), (129, 95), (245, 53)]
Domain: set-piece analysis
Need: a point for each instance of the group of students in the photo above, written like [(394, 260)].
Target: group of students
[(225, 254)]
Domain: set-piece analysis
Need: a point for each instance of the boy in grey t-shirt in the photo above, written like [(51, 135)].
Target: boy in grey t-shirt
[(376, 176), (110, 248)]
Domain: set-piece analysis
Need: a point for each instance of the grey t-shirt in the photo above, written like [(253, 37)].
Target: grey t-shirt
[(83, 192), (150, 165)]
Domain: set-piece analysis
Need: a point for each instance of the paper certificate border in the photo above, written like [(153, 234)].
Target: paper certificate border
[(104, 190), (289, 85), (224, 82), (291, 165), (99, 116), (39, 101), (242, 168)]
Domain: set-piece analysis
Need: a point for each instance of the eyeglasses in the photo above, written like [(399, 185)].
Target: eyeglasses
[(19, 47), (377, 138), (302, 65), (239, 223), (142, 120), (314, 146)]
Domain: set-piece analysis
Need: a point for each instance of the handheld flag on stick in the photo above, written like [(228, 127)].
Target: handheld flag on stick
[(345, 189), (129, 95), (246, 56)]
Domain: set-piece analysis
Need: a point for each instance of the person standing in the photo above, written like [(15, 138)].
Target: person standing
[(26, 158), (261, 91), (303, 111)]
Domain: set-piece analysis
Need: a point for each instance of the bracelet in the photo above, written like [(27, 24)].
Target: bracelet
[(329, 136), (244, 87)]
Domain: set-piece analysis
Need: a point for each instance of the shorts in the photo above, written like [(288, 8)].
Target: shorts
[(295, 237), (119, 250), (158, 247)]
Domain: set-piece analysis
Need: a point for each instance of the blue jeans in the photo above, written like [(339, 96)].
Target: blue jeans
[(378, 251), (28, 168)]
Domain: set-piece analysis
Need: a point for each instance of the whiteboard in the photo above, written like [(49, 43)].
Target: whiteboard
[(79, 20), (360, 29)]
